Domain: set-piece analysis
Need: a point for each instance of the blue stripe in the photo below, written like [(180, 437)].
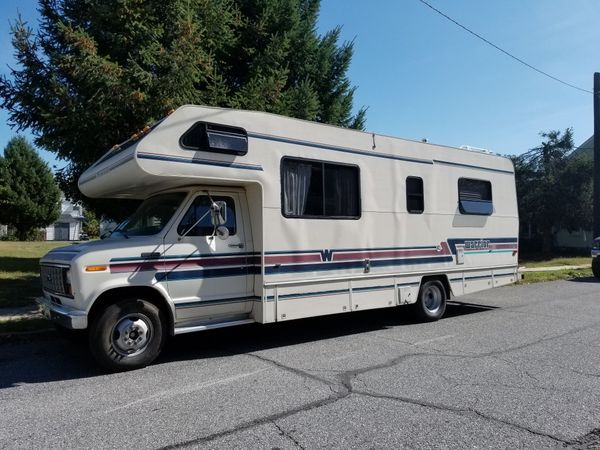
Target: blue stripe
[(191, 255), (202, 273), (106, 169), (459, 241), (335, 148), (339, 291), (318, 267), (206, 162), (489, 169), (200, 303)]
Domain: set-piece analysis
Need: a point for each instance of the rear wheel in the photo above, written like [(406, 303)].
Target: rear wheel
[(596, 266), (127, 335), (431, 303)]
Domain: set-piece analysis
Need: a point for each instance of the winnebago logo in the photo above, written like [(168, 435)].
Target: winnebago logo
[(477, 245), (326, 255)]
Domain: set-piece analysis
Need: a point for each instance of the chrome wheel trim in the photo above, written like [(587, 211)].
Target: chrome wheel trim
[(432, 298), (132, 334)]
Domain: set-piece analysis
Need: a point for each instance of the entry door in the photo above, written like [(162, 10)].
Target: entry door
[(209, 276)]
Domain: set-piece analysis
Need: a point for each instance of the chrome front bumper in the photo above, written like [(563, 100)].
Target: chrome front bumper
[(64, 316)]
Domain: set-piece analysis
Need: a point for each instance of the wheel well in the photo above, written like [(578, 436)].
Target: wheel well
[(147, 293), (442, 279)]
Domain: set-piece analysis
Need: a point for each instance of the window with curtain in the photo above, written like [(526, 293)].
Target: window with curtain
[(317, 189)]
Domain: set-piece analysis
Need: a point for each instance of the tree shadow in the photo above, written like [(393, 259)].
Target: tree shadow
[(20, 291), (585, 280), (15, 264), (50, 358)]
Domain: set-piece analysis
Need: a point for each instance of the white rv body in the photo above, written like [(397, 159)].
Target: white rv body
[(274, 267)]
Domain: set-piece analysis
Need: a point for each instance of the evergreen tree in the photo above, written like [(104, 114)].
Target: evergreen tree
[(29, 197), (554, 186), (98, 70)]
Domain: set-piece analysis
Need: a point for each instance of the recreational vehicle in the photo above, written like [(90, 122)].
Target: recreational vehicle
[(254, 217)]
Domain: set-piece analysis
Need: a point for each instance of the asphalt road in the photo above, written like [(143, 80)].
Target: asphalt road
[(513, 367)]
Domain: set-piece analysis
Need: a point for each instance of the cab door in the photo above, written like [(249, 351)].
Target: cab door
[(210, 275)]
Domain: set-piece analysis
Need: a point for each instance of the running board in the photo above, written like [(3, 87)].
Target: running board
[(212, 326)]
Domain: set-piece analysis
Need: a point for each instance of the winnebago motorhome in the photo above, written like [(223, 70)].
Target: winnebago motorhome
[(254, 217)]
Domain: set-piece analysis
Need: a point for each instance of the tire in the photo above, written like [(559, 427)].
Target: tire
[(127, 335), (431, 303), (596, 266)]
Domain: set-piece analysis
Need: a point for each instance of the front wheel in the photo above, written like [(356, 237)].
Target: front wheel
[(431, 303), (127, 335), (596, 266)]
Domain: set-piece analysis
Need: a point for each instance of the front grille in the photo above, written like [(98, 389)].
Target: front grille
[(53, 279)]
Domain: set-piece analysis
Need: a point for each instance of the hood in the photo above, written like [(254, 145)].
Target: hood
[(66, 255)]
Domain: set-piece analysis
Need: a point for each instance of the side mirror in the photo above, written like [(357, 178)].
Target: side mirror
[(218, 213)]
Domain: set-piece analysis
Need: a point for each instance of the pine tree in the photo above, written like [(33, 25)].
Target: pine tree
[(98, 70), (29, 194)]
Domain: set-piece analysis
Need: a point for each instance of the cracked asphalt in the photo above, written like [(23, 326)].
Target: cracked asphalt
[(517, 366)]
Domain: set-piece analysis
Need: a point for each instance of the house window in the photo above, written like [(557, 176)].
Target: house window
[(318, 189), (475, 197), (211, 137), (199, 212), (415, 203)]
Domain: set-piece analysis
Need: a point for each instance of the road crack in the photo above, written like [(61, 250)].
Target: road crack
[(287, 435)]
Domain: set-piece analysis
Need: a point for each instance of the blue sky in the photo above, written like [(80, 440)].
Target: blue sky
[(423, 77)]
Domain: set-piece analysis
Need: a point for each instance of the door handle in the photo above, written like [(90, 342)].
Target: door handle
[(240, 245)]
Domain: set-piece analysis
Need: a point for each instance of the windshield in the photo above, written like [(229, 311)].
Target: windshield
[(152, 215)]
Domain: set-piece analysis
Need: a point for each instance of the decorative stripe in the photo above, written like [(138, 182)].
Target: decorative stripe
[(206, 162), (354, 265), (470, 166), (495, 243), (200, 303), (336, 148), (106, 170), (339, 291), (191, 255), (482, 277)]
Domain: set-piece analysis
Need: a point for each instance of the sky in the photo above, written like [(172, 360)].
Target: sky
[(421, 76)]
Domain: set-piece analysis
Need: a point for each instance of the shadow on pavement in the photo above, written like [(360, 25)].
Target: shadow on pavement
[(51, 358), (585, 280)]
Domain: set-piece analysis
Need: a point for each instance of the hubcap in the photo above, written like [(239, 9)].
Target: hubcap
[(132, 334), (432, 298)]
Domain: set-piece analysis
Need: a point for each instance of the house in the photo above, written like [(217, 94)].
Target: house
[(68, 226)]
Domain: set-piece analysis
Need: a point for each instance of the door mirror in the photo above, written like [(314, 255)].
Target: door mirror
[(218, 213)]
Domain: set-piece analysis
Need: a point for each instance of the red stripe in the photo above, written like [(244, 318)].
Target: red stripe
[(287, 259), (185, 264)]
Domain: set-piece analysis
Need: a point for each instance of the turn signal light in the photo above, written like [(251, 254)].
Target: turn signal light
[(95, 268)]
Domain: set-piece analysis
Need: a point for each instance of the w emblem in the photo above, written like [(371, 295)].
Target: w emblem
[(326, 255)]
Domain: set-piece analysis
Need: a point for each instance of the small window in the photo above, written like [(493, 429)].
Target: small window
[(415, 203), (315, 189), (475, 197), (204, 227), (211, 137)]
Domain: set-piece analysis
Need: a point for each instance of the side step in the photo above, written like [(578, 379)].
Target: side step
[(212, 326)]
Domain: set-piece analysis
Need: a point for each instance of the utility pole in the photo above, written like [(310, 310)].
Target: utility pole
[(596, 154)]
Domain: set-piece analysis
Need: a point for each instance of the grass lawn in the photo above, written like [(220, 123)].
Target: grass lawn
[(19, 271), (561, 261), (565, 274)]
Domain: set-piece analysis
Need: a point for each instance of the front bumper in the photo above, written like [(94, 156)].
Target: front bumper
[(64, 316)]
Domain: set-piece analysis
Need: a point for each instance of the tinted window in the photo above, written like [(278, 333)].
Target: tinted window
[(475, 196), (215, 138), (204, 227), (318, 189), (415, 203)]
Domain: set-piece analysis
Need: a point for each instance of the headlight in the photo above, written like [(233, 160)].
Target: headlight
[(67, 281)]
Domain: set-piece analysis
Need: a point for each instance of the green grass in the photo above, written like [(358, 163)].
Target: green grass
[(565, 274), (561, 261), (19, 271)]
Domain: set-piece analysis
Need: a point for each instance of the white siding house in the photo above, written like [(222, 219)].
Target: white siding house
[(68, 226)]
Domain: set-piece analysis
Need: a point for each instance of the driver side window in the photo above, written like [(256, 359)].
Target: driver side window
[(201, 207)]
